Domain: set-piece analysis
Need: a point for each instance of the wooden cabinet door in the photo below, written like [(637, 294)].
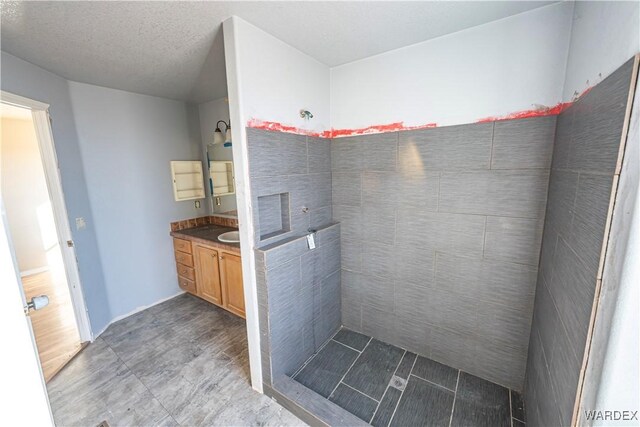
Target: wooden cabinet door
[(208, 274), (233, 292)]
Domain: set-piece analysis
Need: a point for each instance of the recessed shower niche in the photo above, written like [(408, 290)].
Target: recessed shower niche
[(273, 215)]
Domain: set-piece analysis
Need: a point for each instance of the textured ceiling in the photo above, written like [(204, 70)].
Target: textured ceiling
[(175, 49)]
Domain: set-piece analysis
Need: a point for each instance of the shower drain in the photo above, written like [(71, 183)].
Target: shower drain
[(397, 382)]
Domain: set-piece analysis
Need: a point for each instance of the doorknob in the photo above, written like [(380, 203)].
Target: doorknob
[(36, 303)]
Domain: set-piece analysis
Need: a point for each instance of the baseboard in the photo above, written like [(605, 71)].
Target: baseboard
[(134, 311), (33, 271)]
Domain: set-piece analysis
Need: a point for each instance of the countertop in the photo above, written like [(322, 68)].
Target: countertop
[(207, 234)]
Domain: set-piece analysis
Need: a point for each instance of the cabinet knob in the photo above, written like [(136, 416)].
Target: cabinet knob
[(221, 257)]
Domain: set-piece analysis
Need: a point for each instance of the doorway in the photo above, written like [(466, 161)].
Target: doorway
[(40, 237)]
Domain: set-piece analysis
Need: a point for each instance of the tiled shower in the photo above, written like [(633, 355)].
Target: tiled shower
[(427, 245)]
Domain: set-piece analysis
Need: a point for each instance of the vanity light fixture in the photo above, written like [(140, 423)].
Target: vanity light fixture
[(219, 138)]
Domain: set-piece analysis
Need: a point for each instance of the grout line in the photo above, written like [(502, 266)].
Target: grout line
[(493, 133), (348, 346), (431, 382), (438, 198), (510, 409), (388, 385), (307, 147), (142, 382), (402, 392), (313, 356), (347, 371), (484, 236), (455, 396), (538, 218), (362, 393)]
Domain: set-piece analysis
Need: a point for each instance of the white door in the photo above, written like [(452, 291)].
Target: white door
[(44, 135), (22, 389)]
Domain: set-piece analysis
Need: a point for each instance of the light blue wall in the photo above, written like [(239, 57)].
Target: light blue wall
[(127, 141), (25, 79)]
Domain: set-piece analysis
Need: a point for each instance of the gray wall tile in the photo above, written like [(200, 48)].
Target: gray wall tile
[(413, 301), (377, 224), (380, 188), (330, 257), (351, 252), (564, 370), (284, 163), (562, 142), (513, 239), (414, 264), (453, 233), (523, 144), (380, 151), (350, 219), (547, 252), (276, 153), (287, 250), (587, 144), (412, 333), (351, 314), (598, 121), (562, 194), (521, 193), (395, 221), (347, 154), (319, 152), (446, 148), (378, 323), (417, 190), (572, 288), (347, 188), (300, 287), (589, 220), (351, 287), (377, 292), (508, 284), (321, 216), (378, 259)]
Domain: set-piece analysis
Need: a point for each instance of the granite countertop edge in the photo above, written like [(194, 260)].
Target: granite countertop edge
[(207, 234)]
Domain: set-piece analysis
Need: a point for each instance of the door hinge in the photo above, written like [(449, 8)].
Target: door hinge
[(70, 243)]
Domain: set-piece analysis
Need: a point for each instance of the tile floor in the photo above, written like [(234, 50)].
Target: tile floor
[(387, 386), (182, 362)]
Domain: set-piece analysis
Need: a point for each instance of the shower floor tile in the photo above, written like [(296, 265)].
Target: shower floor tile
[(387, 386), (324, 372), (352, 339), (481, 402), (374, 368)]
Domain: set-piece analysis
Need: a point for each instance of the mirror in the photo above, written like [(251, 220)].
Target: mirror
[(221, 180)]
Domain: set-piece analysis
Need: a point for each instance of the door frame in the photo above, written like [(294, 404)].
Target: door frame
[(44, 135)]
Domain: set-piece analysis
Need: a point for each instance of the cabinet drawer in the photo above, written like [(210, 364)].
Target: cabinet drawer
[(182, 245), (187, 285), (186, 272), (183, 258)]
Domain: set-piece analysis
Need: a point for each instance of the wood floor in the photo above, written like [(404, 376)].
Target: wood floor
[(182, 362), (54, 326)]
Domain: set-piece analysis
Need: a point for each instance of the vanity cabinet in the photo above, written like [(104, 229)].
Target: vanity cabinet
[(208, 273), (232, 290), (211, 273)]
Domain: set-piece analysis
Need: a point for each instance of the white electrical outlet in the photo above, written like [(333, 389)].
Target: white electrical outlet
[(80, 223)]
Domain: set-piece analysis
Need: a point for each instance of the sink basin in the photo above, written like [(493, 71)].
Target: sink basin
[(229, 237)]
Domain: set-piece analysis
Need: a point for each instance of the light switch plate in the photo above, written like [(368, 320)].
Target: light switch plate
[(80, 223)]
